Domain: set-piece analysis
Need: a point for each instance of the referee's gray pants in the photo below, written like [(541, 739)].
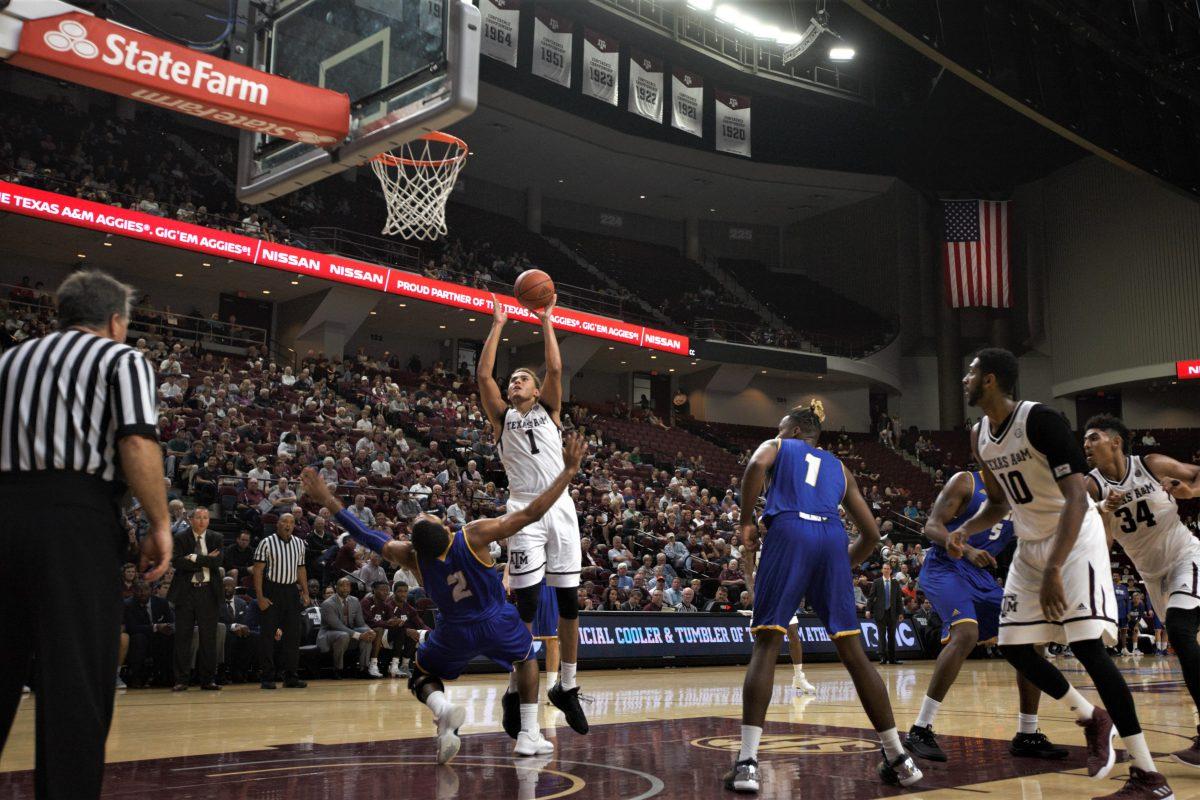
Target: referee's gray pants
[(62, 545)]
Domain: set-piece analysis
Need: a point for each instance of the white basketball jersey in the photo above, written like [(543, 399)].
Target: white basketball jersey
[(1148, 525), (1024, 474), (531, 450)]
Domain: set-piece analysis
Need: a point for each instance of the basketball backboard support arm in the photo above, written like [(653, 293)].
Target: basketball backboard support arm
[(430, 99)]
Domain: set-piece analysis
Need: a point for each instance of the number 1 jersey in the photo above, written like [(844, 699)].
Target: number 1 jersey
[(531, 450)]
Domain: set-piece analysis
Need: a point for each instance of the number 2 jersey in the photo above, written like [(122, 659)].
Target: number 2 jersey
[(465, 588), (1028, 454), (531, 450), (1147, 523)]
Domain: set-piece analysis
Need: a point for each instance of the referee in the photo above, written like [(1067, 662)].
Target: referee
[(77, 427), (281, 583)]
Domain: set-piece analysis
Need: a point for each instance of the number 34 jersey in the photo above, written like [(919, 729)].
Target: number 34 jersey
[(531, 450), (1147, 522)]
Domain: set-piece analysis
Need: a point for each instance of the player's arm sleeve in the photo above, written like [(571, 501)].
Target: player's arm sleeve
[(1050, 433), (371, 539)]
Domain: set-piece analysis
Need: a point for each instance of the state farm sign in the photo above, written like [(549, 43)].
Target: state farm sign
[(94, 52)]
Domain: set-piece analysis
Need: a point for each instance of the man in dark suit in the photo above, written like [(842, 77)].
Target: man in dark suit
[(887, 609), (240, 617), (150, 624), (197, 594)]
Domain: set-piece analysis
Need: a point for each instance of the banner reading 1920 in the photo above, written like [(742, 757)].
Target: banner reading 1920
[(733, 123)]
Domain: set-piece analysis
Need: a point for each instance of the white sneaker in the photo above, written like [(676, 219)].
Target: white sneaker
[(373, 670), (121, 683), (394, 669), (447, 738), (532, 744), (800, 683)]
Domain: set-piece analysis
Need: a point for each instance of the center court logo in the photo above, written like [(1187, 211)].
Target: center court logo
[(794, 744), (71, 36)]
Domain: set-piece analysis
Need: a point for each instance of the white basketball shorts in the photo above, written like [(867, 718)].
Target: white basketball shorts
[(1087, 584), (1176, 588), (548, 548)]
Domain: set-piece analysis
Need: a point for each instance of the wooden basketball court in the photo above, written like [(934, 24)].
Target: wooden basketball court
[(667, 733)]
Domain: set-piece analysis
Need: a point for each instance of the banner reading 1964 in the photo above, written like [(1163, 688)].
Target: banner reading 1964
[(687, 102), (645, 86), (733, 123), (501, 29), (552, 47), (600, 57)]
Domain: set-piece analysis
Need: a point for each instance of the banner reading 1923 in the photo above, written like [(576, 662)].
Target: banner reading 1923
[(645, 86), (600, 59), (501, 29), (733, 123), (552, 47)]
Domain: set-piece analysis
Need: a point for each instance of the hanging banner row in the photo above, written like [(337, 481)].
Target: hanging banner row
[(552, 59)]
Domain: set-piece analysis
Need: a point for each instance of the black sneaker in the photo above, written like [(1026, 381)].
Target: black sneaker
[(1036, 745), (567, 701), (743, 777), (267, 685), (922, 744), (901, 772), (295, 683), (511, 705)]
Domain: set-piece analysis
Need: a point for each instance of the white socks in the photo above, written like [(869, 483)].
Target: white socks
[(566, 675), (799, 669), (750, 736), (891, 743), (551, 678), (1027, 723), (438, 703), (1078, 704), (929, 710), (529, 718), (1139, 753), (374, 662)]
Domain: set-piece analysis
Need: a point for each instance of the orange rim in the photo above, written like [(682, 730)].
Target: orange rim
[(432, 136)]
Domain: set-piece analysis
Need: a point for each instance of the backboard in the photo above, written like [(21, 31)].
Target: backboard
[(409, 67)]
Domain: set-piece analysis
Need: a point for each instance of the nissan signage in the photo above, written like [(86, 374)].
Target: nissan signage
[(1188, 370)]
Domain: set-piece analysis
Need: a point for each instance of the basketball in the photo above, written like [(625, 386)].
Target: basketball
[(533, 289)]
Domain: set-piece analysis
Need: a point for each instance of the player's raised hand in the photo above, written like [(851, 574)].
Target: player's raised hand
[(314, 486), (543, 314), (499, 315), (573, 449)]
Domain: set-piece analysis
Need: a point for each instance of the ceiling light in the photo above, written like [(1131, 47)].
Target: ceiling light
[(295, 283), (372, 313), (505, 339), (653, 357), (535, 333), (470, 152), (560, 180), (470, 319), (788, 38), (700, 5), (205, 264), (622, 362), (610, 347), (694, 363), (81, 255), (841, 53), (713, 210), (178, 274), (764, 372), (442, 327), (266, 291), (641, 197), (672, 369), (108, 244), (728, 12)]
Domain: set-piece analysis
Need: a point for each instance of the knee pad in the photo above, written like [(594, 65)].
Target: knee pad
[(527, 602), (568, 602), (419, 680), (1181, 625)]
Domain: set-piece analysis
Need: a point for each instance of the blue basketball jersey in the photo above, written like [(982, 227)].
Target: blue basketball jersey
[(993, 540), (805, 480), (465, 589)]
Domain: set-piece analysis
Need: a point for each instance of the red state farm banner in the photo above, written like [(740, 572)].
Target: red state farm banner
[(41, 204), (80, 48)]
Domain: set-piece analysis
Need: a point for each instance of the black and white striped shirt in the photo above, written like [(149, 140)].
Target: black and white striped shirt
[(65, 400), (283, 559)]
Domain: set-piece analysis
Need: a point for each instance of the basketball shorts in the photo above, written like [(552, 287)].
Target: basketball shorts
[(547, 549), (961, 592), (802, 559), (1178, 587), (545, 624), (1087, 586), (448, 648)]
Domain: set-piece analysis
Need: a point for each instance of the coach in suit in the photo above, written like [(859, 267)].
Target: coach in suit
[(197, 594), (150, 623), (342, 621), (887, 609)]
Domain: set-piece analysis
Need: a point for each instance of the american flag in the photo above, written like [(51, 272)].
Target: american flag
[(975, 253)]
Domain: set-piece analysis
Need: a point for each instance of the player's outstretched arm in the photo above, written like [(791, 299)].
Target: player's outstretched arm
[(551, 393), (753, 480), (860, 513), (394, 551), (482, 531), (1181, 481), (489, 392)]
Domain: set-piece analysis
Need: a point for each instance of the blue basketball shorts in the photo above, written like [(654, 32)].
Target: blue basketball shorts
[(545, 624), (961, 592), (448, 649)]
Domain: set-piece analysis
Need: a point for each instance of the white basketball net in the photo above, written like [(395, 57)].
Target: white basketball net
[(417, 179)]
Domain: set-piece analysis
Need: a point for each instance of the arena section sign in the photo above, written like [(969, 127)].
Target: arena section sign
[(625, 638), (41, 204), (80, 48)]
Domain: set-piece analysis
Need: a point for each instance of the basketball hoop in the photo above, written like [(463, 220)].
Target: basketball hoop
[(417, 178)]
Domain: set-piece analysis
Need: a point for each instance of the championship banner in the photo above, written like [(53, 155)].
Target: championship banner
[(40, 204), (552, 47), (600, 59), (687, 102), (501, 29), (645, 86), (733, 123)]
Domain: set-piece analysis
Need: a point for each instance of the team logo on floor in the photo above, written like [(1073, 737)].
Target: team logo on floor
[(793, 744)]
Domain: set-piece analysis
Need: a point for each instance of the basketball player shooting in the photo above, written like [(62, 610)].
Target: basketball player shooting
[(458, 573), (1138, 495), (528, 435), (806, 553), (1058, 587)]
